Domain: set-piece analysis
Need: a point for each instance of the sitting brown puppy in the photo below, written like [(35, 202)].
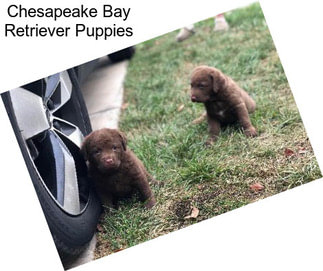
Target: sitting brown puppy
[(116, 171), (225, 102)]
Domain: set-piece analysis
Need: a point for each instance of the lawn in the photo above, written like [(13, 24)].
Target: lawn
[(157, 120)]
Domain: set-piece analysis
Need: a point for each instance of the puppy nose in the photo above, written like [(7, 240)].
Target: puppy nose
[(108, 161), (193, 98)]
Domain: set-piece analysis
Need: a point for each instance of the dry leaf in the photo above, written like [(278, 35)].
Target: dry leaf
[(302, 150), (124, 106), (162, 143), (288, 152), (256, 187), (119, 249), (180, 108), (194, 213), (99, 228), (200, 119)]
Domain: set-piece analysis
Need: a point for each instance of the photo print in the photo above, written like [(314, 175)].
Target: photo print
[(162, 135)]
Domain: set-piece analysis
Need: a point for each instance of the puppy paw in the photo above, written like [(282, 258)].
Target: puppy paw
[(251, 132), (209, 142), (150, 203), (155, 182)]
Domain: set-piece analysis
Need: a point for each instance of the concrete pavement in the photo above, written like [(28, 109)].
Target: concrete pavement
[(103, 93)]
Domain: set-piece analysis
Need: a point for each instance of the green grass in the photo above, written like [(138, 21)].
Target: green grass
[(217, 179)]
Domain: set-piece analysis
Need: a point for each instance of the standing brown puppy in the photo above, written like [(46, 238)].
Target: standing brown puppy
[(225, 102), (115, 169)]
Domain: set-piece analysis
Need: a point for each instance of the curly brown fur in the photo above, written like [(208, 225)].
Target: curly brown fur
[(225, 102), (116, 171)]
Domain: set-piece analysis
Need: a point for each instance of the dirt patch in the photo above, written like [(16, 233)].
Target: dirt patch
[(206, 197), (102, 247), (181, 208)]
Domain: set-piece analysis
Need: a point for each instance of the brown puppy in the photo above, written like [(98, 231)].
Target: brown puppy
[(225, 102), (115, 169)]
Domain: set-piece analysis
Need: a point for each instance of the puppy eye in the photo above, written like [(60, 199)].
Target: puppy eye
[(114, 148), (96, 152)]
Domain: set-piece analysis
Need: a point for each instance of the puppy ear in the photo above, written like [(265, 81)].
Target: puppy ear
[(219, 80), (84, 148), (123, 140)]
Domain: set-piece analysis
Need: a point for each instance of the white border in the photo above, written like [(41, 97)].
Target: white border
[(283, 232)]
